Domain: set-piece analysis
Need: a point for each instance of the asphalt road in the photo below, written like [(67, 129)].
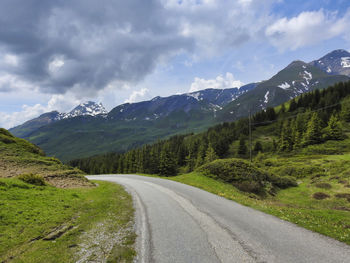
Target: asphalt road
[(180, 223)]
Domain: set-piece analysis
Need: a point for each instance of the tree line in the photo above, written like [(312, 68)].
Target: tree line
[(311, 118)]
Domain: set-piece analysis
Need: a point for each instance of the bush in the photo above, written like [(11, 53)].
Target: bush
[(283, 182), (323, 185), (320, 196), (233, 170), (251, 187), (6, 139), (343, 195), (245, 176), (34, 179)]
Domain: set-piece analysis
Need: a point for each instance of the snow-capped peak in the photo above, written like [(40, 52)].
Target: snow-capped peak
[(89, 108)]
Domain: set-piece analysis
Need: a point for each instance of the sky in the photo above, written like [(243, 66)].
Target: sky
[(57, 54)]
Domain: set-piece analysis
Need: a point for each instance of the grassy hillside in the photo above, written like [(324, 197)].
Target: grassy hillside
[(17, 156), (49, 212)]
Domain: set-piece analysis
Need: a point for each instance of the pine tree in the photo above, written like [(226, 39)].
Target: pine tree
[(334, 130), (242, 148), (293, 105), (345, 111), (286, 140), (258, 147), (210, 154), (167, 162), (313, 134)]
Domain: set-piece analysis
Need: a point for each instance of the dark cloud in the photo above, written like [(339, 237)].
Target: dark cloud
[(86, 44)]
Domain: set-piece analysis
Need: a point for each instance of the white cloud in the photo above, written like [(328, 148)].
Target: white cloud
[(11, 59), (137, 95), (220, 82), (308, 28), (8, 120)]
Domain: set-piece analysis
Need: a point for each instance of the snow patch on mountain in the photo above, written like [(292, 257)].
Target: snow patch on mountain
[(307, 76), (284, 85), (345, 62), (194, 95), (267, 97)]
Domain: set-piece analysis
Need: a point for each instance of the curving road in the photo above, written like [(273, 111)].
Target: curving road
[(180, 223)]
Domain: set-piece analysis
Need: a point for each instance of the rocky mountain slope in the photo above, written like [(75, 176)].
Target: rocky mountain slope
[(297, 78), (336, 62)]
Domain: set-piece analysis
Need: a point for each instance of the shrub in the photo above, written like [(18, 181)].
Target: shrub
[(320, 196), (343, 195), (283, 182), (323, 185), (251, 187), (6, 139), (245, 176), (34, 179)]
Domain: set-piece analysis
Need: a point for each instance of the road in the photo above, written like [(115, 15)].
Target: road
[(180, 223)]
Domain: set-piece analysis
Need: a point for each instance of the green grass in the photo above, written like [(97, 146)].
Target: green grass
[(30, 214)]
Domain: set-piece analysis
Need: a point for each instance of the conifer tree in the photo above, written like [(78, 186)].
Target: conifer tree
[(210, 154), (242, 148), (345, 111), (334, 130), (167, 162), (313, 134), (258, 147), (286, 140)]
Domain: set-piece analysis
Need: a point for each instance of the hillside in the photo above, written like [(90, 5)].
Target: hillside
[(18, 157), (51, 207)]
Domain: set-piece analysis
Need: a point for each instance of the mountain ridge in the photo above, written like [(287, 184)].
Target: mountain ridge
[(133, 124)]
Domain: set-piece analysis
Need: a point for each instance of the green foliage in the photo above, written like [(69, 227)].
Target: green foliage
[(34, 179), (313, 134), (167, 163), (320, 195), (334, 130), (242, 148), (301, 128), (258, 147), (244, 175), (210, 155)]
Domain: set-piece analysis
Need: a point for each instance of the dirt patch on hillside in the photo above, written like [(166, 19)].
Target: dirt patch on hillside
[(59, 178)]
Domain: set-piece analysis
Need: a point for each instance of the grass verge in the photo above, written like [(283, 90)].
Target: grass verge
[(48, 224)]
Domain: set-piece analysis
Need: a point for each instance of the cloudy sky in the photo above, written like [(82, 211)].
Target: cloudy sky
[(56, 54)]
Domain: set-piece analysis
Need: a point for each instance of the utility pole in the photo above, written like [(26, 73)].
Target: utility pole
[(250, 137)]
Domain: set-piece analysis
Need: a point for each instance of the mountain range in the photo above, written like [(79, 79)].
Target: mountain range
[(89, 129)]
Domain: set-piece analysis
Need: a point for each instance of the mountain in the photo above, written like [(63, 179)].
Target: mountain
[(88, 130), (84, 109), (131, 124), (336, 62), (297, 78), (204, 102), (89, 108)]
